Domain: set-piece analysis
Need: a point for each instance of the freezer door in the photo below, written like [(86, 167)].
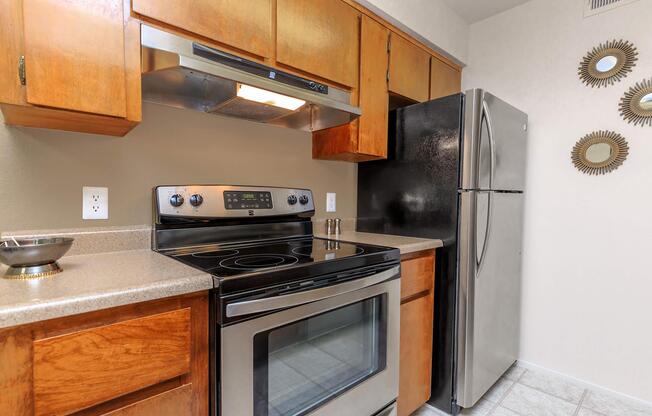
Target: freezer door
[(494, 144), (489, 292)]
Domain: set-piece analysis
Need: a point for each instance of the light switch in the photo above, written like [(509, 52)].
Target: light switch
[(330, 202)]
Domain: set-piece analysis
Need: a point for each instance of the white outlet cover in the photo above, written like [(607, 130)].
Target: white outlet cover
[(330, 202), (95, 203)]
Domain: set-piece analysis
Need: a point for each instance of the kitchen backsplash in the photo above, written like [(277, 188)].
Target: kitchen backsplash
[(43, 171)]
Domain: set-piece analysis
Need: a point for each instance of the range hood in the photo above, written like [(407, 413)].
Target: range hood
[(181, 73)]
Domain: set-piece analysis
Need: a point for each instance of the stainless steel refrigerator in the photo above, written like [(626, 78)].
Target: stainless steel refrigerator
[(455, 171)]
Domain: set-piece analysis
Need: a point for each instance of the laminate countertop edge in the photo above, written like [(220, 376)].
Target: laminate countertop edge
[(97, 281), (406, 245)]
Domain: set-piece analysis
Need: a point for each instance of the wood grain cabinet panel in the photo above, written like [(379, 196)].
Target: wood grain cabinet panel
[(365, 138), (372, 139), (245, 25), (75, 55), (444, 79), (175, 402), (409, 69), (81, 65), (416, 355), (418, 276), (77, 370), (319, 37), (417, 303)]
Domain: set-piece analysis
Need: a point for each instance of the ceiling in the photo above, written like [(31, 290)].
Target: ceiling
[(475, 10)]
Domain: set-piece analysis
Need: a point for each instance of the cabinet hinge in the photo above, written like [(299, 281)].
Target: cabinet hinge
[(21, 70)]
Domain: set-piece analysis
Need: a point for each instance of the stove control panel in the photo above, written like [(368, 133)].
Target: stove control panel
[(227, 201), (247, 200)]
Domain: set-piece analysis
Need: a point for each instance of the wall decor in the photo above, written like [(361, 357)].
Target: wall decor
[(608, 63), (599, 152), (636, 104)]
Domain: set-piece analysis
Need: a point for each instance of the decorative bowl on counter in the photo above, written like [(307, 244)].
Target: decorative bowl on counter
[(33, 257)]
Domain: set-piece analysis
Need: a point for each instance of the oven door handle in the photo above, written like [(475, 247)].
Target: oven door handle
[(296, 299)]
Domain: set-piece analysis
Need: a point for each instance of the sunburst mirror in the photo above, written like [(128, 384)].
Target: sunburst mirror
[(600, 152), (607, 63), (636, 104)]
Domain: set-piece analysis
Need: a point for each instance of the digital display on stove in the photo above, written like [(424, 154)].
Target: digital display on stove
[(247, 200)]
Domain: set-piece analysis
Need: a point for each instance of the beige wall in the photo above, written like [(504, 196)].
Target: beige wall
[(586, 270), (43, 171)]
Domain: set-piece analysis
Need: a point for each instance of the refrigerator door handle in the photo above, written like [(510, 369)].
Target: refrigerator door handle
[(487, 233), (486, 115)]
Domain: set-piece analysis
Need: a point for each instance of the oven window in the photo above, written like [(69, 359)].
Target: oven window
[(300, 366)]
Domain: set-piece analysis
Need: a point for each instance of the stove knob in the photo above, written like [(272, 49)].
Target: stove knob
[(196, 200), (292, 199), (176, 200), (303, 199)]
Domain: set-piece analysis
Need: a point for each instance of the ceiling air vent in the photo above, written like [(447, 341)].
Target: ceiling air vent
[(593, 7)]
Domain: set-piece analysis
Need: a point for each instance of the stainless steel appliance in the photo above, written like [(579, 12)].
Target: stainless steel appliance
[(299, 325), (33, 257), (181, 73), (456, 171)]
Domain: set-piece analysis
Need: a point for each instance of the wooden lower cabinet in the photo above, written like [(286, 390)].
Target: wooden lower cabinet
[(142, 359), (417, 302), (175, 402)]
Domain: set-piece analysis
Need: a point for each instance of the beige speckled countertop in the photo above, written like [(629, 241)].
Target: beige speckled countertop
[(97, 281), (404, 244)]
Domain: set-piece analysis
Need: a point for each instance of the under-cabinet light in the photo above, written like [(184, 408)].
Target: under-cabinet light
[(267, 97)]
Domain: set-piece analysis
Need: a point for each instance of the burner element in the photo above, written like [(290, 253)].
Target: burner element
[(258, 261)]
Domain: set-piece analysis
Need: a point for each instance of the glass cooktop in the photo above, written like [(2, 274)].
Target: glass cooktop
[(237, 260)]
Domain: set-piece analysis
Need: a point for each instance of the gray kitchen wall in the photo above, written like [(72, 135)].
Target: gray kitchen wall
[(42, 171)]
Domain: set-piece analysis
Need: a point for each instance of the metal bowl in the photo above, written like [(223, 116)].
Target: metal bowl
[(33, 257)]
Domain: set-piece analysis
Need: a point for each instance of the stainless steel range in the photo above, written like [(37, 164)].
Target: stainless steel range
[(299, 325)]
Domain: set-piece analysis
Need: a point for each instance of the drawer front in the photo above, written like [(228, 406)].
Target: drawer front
[(175, 402), (85, 368), (417, 276)]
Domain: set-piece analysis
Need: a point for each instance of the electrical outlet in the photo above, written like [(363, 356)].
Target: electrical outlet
[(330, 202), (95, 203)]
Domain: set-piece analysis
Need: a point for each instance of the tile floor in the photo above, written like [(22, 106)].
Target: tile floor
[(526, 392)]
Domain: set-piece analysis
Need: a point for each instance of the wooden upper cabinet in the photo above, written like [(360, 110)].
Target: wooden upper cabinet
[(372, 138), (245, 25), (409, 69), (81, 65), (444, 79), (365, 138), (320, 37), (75, 55)]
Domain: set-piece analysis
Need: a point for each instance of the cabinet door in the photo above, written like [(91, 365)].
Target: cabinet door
[(319, 37), (416, 354), (75, 55), (175, 402), (372, 139), (417, 303), (444, 79), (246, 25), (78, 370), (409, 69)]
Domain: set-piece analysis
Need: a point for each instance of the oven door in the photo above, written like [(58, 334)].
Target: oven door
[(337, 355)]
